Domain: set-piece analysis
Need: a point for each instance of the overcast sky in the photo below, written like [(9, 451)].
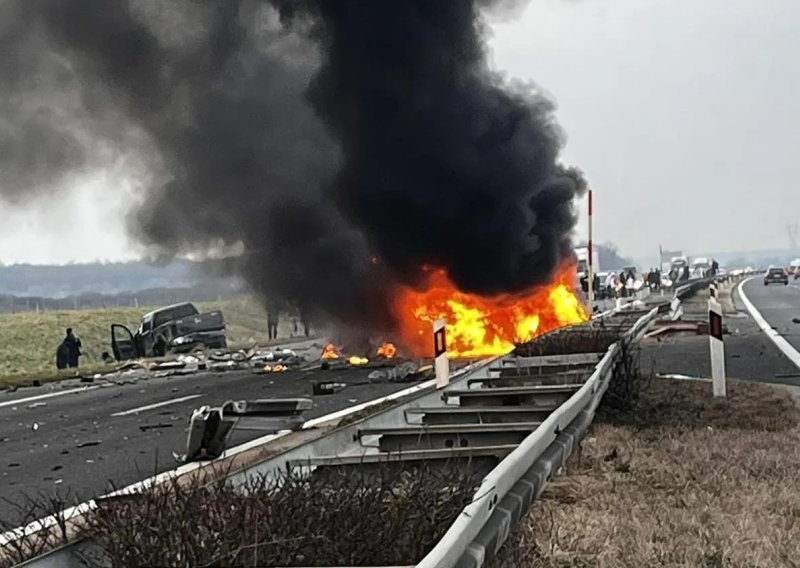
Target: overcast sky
[(682, 113)]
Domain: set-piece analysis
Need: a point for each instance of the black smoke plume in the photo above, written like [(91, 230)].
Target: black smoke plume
[(347, 130)]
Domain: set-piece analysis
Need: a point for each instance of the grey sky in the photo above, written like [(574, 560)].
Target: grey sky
[(682, 113)]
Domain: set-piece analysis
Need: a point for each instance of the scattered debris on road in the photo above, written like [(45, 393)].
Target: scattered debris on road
[(146, 427), (89, 443)]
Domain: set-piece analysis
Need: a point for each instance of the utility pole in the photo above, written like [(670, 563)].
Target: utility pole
[(590, 261)]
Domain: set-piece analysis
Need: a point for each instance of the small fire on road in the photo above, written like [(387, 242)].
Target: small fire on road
[(479, 326), (387, 350), (330, 352)]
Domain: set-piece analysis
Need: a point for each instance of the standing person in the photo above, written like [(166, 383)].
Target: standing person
[(610, 282), (272, 320), (304, 321), (73, 349), (596, 285), (622, 280)]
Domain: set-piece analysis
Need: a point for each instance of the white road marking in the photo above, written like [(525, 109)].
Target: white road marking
[(156, 405), (48, 395), (139, 486), (785, 347)]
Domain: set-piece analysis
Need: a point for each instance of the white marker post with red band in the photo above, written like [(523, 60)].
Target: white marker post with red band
[(440, 361), (716, 345)]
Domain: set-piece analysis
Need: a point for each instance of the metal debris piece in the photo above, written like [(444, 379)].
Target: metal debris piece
[(146, 427), (210, 428), (37, 404), (396, 374), (89, 443), (326, 387)]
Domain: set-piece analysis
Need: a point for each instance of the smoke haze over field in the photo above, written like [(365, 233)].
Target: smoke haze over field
[(342, 132)]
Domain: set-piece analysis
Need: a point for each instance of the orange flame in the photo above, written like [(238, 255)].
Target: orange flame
[(387, 350), (358, 361), (479, 326), (330, 352)]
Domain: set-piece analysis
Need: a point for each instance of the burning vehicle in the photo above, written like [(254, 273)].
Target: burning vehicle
[(179, 328)]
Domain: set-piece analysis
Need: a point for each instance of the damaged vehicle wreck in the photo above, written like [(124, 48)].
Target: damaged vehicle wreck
[(179, 328)]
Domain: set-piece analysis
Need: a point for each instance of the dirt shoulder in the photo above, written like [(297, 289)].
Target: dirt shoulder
[(682, 480)]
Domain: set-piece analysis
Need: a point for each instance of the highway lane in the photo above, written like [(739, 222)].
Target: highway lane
[(778, 304), (78, 444), (749, 353)]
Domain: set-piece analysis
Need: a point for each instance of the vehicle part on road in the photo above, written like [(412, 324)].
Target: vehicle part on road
[(146, 427), (210, 428), (326, 387)]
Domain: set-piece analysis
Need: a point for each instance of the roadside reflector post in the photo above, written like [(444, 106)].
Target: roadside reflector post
[(440, 362), (713, 291), (716, 345)]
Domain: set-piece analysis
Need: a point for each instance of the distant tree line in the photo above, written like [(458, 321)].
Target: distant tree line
[(140, 298), (110, 279), (609, 257)]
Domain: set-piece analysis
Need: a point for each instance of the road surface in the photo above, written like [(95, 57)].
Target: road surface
[(749, 353), (778, 304), (81, 439)]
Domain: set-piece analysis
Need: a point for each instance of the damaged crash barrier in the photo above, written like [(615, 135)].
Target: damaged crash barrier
[(210, 428)]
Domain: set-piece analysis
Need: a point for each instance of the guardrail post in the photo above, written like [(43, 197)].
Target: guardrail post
[(716, 345), (441, 362)]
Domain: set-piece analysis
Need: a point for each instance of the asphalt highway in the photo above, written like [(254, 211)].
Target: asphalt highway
[(80, 440), (778, 304), (749, 353)]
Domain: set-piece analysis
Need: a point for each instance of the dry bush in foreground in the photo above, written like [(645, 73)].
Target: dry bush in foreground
[(358, 516), (681, 480)]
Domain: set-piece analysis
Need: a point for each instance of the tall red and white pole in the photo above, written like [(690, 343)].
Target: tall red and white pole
[(590, 263)]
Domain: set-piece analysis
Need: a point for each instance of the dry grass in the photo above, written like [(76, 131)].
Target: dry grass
[(30, 339), (384, 515), (681, 480)]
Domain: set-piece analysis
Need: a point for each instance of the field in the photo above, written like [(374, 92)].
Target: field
[(29, 339), (683, 480)]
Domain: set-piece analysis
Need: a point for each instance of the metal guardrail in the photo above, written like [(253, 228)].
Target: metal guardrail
[(509, 489), (506, 492)]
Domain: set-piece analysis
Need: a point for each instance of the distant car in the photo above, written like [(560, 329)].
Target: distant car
[(776, 274)]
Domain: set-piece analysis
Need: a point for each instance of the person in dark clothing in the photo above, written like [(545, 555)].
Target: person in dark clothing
[(623, 281), (73, 349), (596, 286), (62, 356), (304, 320), (272, 320), (685, 275)]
